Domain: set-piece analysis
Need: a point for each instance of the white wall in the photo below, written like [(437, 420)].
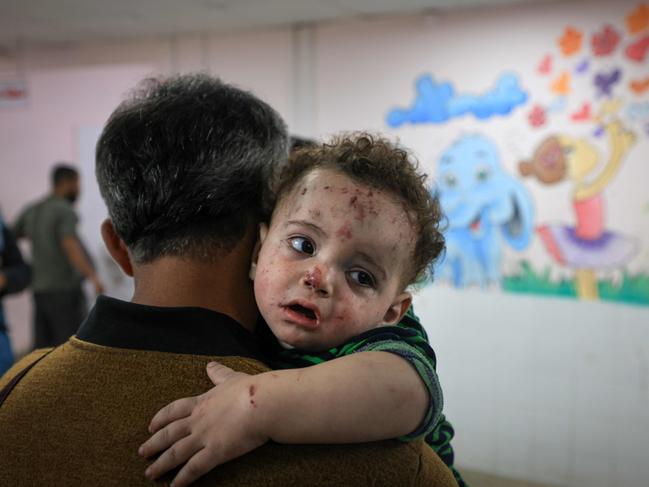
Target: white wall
[(543, 389), (550, 390)]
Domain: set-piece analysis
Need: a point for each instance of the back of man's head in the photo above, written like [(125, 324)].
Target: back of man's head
[(184, 164), (63, 172)]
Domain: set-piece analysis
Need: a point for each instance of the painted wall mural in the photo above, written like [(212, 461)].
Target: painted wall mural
[(438, 102), (537, 220), (485, 208), (588, 245)]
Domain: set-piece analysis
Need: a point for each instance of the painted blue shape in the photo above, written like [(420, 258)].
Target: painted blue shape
[(638, 111), (485, 208), (557, 105), (438, 102)]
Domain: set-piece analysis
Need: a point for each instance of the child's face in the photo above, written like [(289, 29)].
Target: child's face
[(331, 263)]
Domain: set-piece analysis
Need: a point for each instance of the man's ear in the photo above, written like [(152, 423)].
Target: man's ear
[(116, 247), (263, 231), (397, 309)]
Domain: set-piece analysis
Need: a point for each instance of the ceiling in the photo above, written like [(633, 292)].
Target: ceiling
[(25, 22)]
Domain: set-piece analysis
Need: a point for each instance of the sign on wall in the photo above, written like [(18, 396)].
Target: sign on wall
[(13, 93)]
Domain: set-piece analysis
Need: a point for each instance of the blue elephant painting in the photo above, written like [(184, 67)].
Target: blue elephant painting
[(485, 208)]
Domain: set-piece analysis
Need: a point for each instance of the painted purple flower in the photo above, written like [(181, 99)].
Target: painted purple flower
[(604, 82), (582, 67)]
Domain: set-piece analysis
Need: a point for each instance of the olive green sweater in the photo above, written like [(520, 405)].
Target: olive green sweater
[(78, 417)]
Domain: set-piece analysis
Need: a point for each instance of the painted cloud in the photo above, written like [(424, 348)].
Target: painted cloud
[(438, 102)]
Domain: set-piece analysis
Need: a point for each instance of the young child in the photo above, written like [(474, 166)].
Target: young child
[(353, 225)]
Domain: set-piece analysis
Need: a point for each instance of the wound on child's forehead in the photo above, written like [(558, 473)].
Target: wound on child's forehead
[(364, 206), (344, 231), (358, 208)]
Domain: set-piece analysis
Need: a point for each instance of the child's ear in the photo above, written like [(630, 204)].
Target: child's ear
[(397, 309), (263, 231)]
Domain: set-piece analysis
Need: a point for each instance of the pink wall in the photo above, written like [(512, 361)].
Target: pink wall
[(33, 137)]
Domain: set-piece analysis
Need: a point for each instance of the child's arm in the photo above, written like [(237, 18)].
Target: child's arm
[(362, 397)]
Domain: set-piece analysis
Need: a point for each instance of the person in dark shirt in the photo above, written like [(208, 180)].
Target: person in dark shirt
[(14, 277), (59, 260)]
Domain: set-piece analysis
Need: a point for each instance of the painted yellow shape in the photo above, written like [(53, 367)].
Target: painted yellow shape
[(586, 284), (609, 108), (583, 158)]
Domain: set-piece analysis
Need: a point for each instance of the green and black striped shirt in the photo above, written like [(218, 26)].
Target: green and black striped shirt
[(409, 340)]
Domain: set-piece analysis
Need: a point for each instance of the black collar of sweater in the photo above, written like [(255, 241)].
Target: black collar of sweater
[(194, 331)]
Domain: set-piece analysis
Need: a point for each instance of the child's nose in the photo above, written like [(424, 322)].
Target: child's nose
[(317, 279)]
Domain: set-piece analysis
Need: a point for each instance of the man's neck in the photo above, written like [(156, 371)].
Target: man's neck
[(221, 286)]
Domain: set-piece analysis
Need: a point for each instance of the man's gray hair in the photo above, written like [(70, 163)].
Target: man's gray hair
[(185, 164)]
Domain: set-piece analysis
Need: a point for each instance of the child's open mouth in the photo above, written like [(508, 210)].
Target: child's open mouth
[(302, 310), (302, 314)]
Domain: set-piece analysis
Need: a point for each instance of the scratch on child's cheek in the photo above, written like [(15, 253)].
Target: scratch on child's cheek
[(251, 392)]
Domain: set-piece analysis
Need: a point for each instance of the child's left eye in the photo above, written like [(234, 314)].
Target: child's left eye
[(363, 278)]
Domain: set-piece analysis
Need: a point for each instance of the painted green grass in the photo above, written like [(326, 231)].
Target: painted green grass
[(633, 289)]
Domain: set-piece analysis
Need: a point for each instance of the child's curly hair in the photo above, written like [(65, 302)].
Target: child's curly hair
[(375, 162)]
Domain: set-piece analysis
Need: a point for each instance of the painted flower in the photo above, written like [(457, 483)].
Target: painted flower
[(537, 117), (605, 41), (570, 41), (638, 20)]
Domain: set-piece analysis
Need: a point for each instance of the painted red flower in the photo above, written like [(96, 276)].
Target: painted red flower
[(605, 41), (545, 66), (583, 114), (536, 117), (637, 51)]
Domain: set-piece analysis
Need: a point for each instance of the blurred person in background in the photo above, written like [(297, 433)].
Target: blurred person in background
[(59, 260), (14, 277)]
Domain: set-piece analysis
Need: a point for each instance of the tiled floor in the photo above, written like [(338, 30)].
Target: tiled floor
[(480, 479)]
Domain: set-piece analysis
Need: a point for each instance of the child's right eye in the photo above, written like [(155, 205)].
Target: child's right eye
[(302, 245)]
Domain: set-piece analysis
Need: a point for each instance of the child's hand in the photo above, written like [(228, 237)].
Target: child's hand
[(207, 430)]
